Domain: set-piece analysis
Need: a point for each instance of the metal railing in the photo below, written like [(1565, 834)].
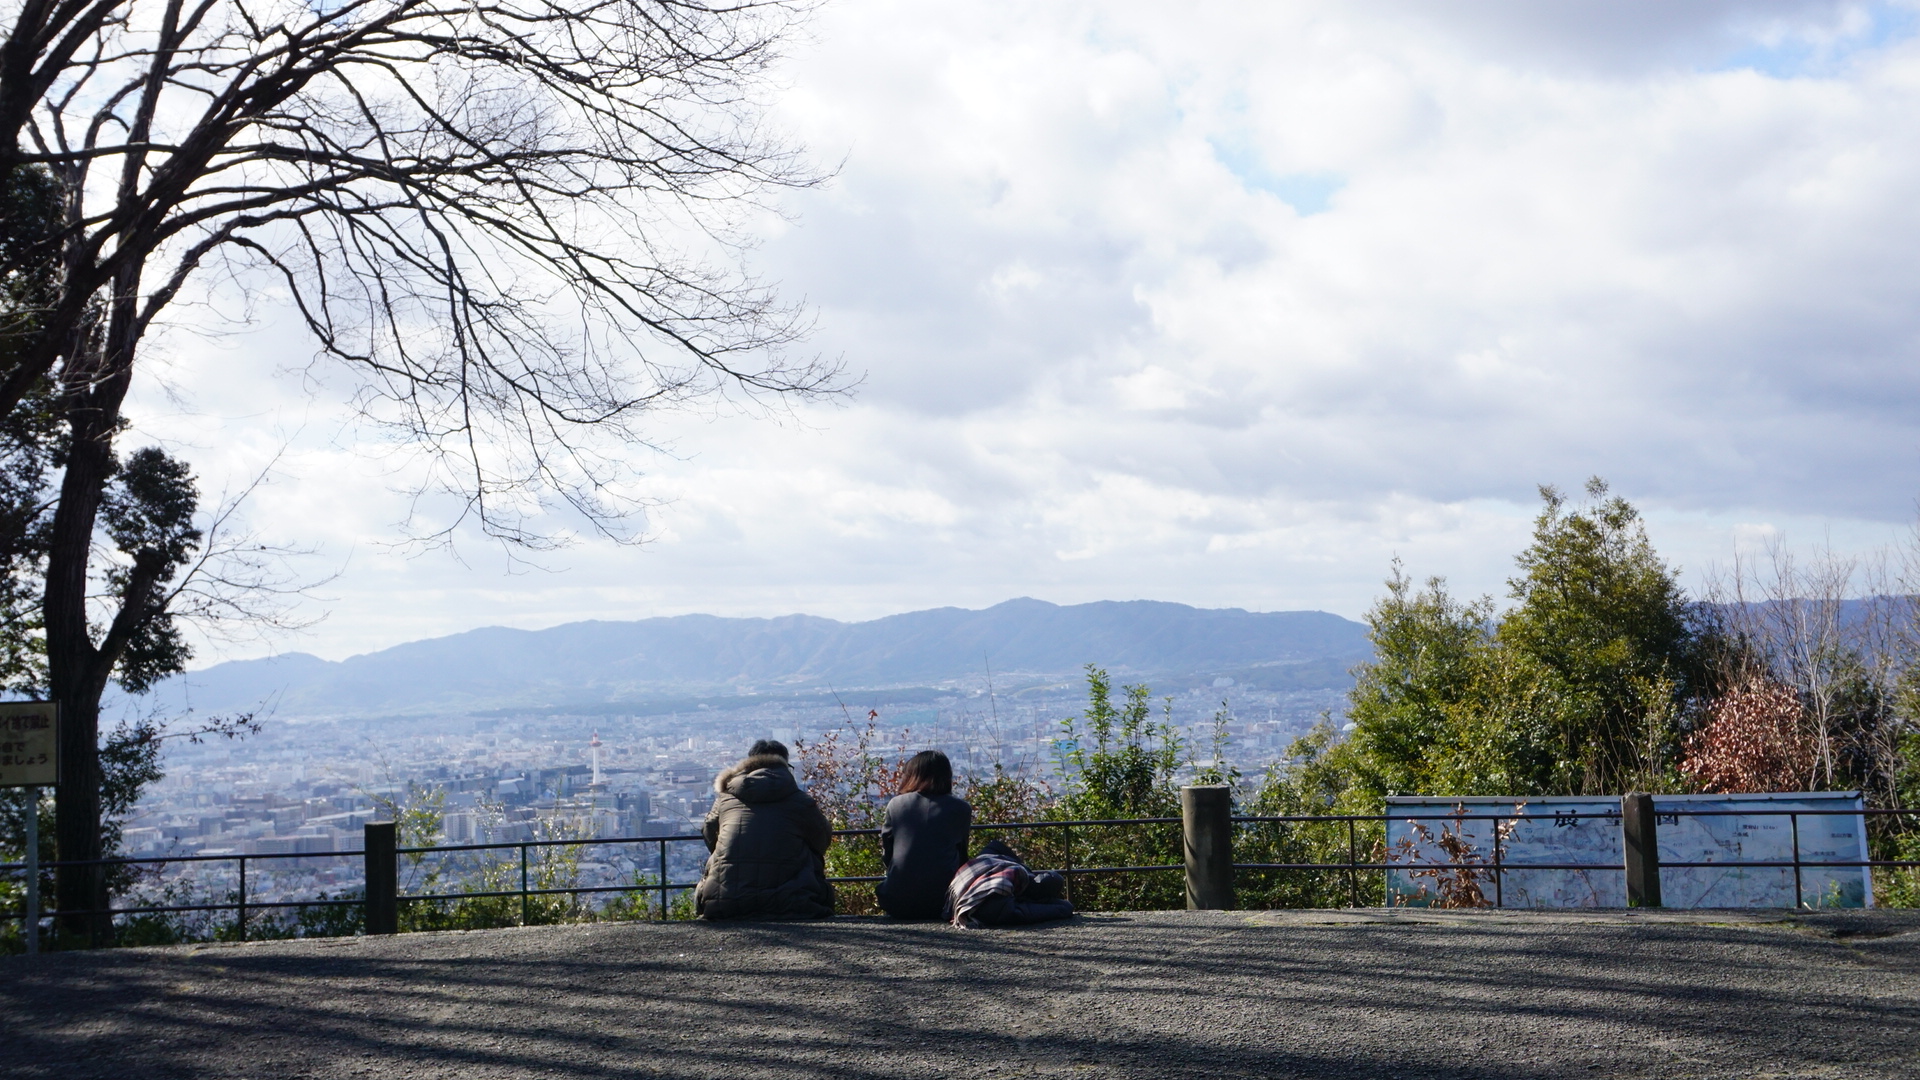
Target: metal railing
[(663, 887), (1497, 867), (380, 843), (242, 905)]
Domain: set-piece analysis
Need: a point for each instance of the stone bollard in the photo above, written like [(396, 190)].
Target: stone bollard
[(383, 878), (1640, 841), (1206, 826)]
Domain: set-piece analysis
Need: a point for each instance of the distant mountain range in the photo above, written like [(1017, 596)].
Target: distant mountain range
[(595, 665)]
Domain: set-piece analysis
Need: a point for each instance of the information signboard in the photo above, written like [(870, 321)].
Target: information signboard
[(29, 744), (1570, 830)]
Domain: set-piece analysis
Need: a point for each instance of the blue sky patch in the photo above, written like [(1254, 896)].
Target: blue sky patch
[(1307, 192), (1798, 57)]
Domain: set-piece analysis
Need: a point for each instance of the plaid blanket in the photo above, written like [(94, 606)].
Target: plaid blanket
[(982, 878)]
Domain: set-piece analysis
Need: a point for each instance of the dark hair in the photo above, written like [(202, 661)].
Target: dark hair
[(929, 773), (768, 746)]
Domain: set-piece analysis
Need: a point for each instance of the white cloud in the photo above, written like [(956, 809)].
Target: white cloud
[(1231, 303)]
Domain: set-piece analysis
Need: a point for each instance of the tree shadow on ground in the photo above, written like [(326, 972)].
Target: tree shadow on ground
[(867, 998)]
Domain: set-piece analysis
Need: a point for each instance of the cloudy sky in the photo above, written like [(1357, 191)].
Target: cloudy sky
[(1230, 304)]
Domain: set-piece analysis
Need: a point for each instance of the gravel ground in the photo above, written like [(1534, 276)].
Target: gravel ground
[(1267, 994)]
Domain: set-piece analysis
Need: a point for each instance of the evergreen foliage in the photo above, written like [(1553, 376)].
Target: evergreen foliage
[(1603, 622), (1582, 688)]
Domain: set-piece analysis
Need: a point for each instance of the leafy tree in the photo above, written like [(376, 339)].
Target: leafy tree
[(1430, 656), (1605, 620), (31, 436), (1501, 741), (32, 209), (1580, 688), (145, 537), (146, 528), (1583, 687), (1906, 774)]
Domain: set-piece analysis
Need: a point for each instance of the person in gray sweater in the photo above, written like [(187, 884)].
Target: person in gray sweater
[(924, 839)]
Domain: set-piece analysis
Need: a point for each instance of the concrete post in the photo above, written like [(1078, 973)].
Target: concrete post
[(1640, 841), (1206, 826), (383, 878)]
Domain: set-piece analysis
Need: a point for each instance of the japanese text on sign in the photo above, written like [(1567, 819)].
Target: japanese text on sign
[(29, 744)]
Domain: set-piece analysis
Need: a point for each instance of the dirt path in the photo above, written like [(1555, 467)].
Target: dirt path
[(1255, 994)]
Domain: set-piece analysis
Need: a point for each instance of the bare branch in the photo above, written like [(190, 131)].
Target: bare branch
[(491, 210)]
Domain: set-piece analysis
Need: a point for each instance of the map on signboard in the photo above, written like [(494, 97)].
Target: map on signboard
[(29, 746), (1575, 844)]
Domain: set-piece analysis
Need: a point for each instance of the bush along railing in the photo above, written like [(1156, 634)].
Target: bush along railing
[(1206, 858)]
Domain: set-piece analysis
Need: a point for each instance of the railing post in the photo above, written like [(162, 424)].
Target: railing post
[(383, 878), (1499, 878), (240, 916), (1068, 829), (1206, 826), (1353, 863), (32, 928), (1799, 896), (1640, 843)]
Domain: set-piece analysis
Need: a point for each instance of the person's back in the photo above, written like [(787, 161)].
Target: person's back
[(768, 841), (924, 841)]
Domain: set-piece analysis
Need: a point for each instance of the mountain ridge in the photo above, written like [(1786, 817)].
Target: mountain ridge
[(602, 660)]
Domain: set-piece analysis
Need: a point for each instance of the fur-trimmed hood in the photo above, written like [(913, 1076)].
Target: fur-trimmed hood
[(769, 842), (758, 779)]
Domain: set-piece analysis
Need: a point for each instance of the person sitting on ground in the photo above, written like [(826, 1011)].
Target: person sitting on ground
[(996, 889), (769, 843), (924, 839)]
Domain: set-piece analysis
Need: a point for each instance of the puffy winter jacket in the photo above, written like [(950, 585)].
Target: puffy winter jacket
[(769, 844)]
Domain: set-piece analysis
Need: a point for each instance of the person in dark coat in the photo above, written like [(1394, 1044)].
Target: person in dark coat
[(769, 844), (924, 839)]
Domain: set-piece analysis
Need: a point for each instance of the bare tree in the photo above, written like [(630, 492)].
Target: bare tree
[(1826, 626), (514, 220)]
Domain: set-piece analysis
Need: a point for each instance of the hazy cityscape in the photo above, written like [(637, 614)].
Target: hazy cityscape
[(308, 785)]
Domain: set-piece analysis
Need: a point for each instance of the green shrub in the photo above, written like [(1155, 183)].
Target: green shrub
[(1117, 762), (1315, 779)]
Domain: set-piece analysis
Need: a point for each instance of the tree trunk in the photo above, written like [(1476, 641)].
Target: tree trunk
[(95, 385)]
